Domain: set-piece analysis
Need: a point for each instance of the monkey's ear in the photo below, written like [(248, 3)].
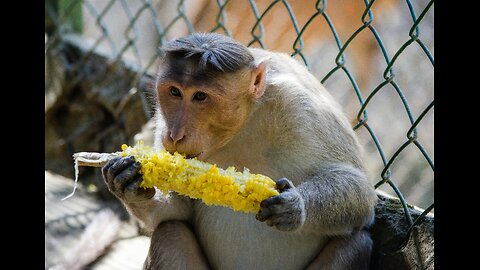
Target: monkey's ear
[(257, 86)]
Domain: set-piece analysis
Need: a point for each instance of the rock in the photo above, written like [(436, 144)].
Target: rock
[(397, 247), (83, 229), (97, 109)]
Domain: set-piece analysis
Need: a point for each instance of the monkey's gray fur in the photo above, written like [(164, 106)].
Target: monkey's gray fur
[(293, 132)]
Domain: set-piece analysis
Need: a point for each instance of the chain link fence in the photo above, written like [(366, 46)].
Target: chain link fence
[(374, 56)]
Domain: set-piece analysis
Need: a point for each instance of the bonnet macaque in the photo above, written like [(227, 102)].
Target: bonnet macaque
[(230, 105)]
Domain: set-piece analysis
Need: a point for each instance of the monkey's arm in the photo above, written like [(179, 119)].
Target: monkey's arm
[(148, 205), (334, 200), (338, 199), (160, 208)]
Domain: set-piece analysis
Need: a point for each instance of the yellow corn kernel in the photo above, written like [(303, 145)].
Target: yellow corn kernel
[(241, 191)]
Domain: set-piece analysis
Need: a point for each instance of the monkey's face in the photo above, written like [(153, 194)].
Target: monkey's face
[(203, 114)]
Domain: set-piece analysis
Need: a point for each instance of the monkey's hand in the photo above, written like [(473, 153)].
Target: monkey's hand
[(285, 211), (122, 179)]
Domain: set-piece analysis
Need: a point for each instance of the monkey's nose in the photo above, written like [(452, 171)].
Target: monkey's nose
[(176, 136)]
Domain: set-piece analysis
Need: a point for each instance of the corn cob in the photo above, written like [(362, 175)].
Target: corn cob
[(240, 191)]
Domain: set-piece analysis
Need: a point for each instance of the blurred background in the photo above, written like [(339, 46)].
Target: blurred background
[(375, 58)]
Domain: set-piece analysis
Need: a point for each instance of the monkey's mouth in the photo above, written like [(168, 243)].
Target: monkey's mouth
[(193, 155)]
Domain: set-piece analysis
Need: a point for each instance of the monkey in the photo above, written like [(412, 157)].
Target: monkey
[(222, 102)]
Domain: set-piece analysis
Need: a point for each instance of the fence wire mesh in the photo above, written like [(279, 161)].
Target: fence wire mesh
[(337, 40)]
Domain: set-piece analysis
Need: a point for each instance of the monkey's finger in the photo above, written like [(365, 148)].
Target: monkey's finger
[(279, 221), (263, 214), (135, 193), (283, 222), (126, 176), (284, 226), (119, 166), (284, 184), (106, 169), (267, 203)]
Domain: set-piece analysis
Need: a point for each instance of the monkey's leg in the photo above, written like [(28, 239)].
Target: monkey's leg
[(174, 246), (350, 252)]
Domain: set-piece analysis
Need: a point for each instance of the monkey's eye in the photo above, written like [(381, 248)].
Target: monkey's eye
[(200, 96), (175, 91)]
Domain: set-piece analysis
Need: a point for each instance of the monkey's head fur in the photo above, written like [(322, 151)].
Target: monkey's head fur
[(206, 87)]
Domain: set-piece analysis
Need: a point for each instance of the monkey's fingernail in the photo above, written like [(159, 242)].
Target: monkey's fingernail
[(282, 184), (262, 215)]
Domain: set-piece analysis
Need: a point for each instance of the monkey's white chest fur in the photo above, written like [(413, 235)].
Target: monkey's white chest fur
[(234, 240)]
